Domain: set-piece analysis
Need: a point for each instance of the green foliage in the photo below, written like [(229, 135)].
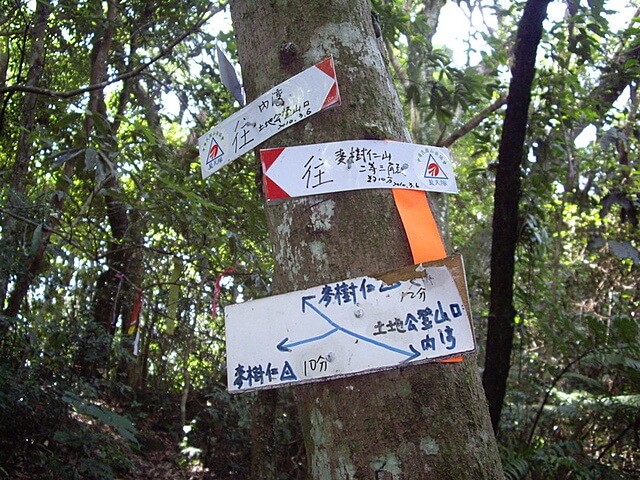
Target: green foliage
[(52, 425), (122, 425), (64, 369), (393, 19), (86, 454), (566, 416), (220, 433)]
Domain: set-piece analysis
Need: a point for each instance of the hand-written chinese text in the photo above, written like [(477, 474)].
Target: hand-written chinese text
[(315, 173), (248, 376), (318, 364)]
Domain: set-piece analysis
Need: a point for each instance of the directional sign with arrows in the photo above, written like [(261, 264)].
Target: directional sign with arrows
[(416, 314)]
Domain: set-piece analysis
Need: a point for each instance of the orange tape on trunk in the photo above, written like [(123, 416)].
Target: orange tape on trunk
[(422, 231), (421, 228)]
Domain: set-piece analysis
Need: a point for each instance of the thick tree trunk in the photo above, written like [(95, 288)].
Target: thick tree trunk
[(427, 421), (505, 216)]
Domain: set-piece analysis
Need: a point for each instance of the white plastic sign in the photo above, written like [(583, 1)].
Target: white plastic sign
[(354, 165), (417, 314), (294, 100)]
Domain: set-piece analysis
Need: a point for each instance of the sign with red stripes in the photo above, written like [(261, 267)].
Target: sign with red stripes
[(288, 103), (355, 165)]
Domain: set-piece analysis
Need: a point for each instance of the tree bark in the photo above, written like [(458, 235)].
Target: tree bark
[(505, 216), (425, 421)]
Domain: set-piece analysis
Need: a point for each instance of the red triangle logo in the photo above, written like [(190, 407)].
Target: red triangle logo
[(214, 150), (434, 170)]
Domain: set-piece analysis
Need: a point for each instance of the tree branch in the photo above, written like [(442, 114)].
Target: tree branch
[(123, 76), (473, 123), (397, 68)]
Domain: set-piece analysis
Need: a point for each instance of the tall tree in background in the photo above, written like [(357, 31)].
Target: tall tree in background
[(505, 215), (32, 264), (415, 422)]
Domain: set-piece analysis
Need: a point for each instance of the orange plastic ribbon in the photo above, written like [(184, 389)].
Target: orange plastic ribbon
[(421, 229), (419, 224)]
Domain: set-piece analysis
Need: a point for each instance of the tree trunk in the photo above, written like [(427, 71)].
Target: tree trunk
[(505, 215), (115, 290), (425, 421), (19, 172)]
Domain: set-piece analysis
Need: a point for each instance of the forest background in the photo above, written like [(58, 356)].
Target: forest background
[(105, 220)]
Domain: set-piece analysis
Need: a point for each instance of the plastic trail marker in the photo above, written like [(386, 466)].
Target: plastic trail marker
[(421, 229), (304, 94), (355, 165)]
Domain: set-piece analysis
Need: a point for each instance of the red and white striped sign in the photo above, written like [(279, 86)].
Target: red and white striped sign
[(294, 100), (355, 165)]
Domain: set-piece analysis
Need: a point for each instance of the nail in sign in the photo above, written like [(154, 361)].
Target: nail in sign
[(294, 100)]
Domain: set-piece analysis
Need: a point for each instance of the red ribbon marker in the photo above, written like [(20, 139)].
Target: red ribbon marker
[(216, 291), (135, 312)]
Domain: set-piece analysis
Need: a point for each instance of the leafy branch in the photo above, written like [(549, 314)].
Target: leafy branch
[(558, 377), (119, 78), (473, 123)]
